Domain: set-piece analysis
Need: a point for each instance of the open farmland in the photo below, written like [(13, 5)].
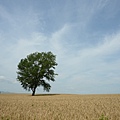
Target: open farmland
[(59, 107)]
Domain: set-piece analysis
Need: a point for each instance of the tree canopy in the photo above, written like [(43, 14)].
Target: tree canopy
[(36, 70)]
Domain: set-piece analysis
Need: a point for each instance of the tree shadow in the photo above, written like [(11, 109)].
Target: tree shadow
[(46, 94)]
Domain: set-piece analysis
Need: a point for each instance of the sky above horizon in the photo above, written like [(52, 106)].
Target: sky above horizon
[(83, 34)]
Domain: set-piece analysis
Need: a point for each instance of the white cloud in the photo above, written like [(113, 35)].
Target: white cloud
[(89, 66), (2, 77), (57, 40), (109, 45)]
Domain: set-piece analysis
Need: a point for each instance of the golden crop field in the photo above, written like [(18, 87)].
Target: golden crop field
[(59, 107)]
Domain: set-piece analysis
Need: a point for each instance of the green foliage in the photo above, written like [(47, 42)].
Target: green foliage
[(103, 118), (36, 69)]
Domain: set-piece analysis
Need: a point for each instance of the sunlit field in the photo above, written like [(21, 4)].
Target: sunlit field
[(59, 107)]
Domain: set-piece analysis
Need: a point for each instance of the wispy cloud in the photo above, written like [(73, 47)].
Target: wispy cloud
[(91, 65), (2, 77)]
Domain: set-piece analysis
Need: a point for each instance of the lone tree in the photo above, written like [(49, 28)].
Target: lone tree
[(35, 70)]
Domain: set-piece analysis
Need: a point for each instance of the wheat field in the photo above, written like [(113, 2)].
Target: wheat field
[(59, 107)]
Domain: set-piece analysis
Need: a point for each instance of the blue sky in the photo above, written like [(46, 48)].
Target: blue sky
[(83, 34)]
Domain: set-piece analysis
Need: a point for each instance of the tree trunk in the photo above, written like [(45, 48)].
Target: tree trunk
[(33, 91)]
